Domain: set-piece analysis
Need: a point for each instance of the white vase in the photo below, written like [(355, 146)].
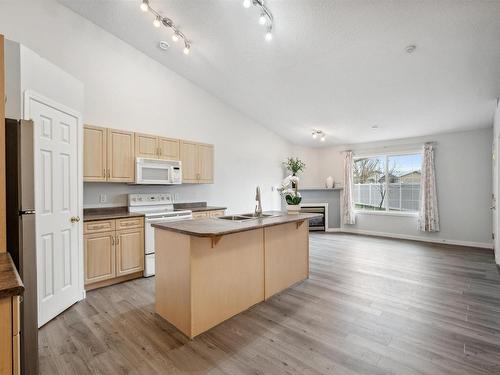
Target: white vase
[(293, 208), (329, 182)]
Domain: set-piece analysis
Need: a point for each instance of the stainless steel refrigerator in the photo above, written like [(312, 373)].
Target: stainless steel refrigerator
[(21, 235)]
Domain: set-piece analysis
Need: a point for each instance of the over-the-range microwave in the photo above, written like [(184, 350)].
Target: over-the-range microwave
[(157, 172)]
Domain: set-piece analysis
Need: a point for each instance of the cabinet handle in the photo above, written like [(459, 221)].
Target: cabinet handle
[(104, 172), (117, 240), (159, 150), (109, 174), (112, 240)]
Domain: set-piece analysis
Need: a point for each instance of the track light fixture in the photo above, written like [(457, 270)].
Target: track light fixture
[(319, 133), (159, 20), (265, 18), (144, 5)]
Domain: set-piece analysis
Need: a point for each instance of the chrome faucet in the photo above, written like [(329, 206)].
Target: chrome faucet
[(258, 206)]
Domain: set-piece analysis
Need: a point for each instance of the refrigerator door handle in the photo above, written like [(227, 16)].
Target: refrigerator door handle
[(27, 212)]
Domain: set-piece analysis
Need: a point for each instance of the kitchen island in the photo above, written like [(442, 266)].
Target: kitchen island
[(212, 269)]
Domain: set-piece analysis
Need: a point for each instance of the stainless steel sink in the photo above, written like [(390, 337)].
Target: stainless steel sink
[(234, 218), (257, 216), (244, 217)]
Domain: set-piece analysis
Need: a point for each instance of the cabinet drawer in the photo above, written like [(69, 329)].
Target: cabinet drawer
[(98, 226), (200, 215), (217, 213), (131, 222)]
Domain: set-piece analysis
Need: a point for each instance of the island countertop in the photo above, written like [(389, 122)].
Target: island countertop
[(10, 282), (213, 227)]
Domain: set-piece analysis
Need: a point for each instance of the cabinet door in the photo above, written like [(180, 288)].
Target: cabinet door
[(205, 164), (94, 153), (168, 148), (121, 161), (99, 257), (189, 159), (129, 251), (146, 146)]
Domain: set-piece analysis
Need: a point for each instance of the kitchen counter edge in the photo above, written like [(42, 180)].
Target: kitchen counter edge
[(10, 281), (214, 227)]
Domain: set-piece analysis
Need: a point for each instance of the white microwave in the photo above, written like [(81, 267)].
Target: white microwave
[(157, 172)]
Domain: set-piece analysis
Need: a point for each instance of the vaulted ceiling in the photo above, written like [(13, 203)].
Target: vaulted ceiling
[(336, 65)]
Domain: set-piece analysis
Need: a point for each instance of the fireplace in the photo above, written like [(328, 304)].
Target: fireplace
[(317, 223)]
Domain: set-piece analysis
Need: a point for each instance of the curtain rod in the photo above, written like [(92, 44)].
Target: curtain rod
[(375, 149)]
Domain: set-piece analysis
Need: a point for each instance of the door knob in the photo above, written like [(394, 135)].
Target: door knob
[(75, 219)]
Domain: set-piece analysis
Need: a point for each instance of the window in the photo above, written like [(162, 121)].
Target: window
[(387, 183)]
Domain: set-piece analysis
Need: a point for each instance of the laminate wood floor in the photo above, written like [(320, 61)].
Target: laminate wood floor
[(371, 306)]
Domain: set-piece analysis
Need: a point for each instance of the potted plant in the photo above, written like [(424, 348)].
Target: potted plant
[(289, 190), (294, 165)]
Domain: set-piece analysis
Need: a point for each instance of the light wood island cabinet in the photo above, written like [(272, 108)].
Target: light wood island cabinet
[(113, 251), (209, 270)]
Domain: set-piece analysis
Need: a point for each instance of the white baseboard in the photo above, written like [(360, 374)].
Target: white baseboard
[(333, 230), (482, 245)]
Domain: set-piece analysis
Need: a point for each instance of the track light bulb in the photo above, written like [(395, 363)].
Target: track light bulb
[(175, 37), (314, 135), (269, 36), (323, 138), (144, 5), (186, 49), (247, 3), (157, 22), (262, 19)]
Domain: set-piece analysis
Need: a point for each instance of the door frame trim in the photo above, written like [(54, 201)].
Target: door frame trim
[(33, 95)]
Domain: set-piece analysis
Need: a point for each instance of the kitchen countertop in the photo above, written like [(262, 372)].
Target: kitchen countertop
[(213, 227), (197, 207), (10, 282), (108, 213)]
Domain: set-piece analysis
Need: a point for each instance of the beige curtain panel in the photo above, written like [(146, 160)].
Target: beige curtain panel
[(348, 215), (428, 220)]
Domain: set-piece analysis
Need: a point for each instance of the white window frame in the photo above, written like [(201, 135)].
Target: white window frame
[(386, 155)]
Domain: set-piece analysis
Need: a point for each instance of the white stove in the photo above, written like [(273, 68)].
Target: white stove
[(157, 208)]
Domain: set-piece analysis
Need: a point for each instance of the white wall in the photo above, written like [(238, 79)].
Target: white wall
[(310, 156), (127, 90), (464, 180)]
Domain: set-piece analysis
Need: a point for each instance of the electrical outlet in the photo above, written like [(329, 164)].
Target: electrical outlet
[(103, 198)]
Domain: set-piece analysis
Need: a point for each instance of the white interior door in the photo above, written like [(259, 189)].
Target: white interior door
[(59, 258)]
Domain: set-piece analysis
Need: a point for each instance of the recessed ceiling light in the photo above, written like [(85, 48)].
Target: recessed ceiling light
[(163, 45), (411, 48), (374, 126)]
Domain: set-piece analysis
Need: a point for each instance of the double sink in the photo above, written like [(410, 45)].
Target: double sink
[(244, 217)]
